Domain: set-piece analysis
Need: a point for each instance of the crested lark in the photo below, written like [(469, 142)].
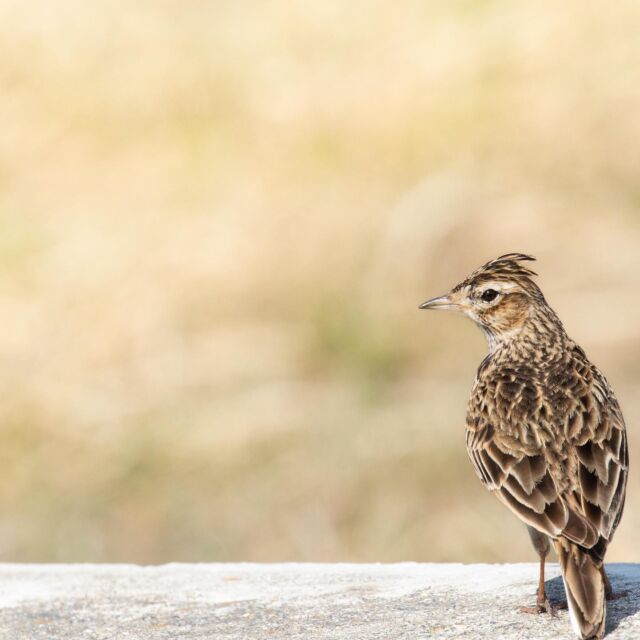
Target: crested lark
[(544, 432)]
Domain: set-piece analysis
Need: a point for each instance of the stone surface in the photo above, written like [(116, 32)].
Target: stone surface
[(292, 601)]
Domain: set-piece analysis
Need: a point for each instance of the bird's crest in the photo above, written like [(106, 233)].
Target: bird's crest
[(506, 267)]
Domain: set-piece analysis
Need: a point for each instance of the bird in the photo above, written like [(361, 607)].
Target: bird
[(544, 432)]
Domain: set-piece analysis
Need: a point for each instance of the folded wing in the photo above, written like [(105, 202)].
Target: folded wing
[(585, 509)]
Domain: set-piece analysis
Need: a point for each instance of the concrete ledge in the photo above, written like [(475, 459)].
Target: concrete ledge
[(292, 601)]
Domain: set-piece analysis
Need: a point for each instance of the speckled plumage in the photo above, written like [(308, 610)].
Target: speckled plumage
[(544, 431)]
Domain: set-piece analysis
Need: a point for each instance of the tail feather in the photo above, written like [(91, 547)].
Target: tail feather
[(584, 584)]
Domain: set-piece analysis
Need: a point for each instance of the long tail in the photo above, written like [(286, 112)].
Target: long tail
[(584, 585)]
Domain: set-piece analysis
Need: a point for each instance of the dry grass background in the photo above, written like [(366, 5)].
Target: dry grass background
[(217, 222)]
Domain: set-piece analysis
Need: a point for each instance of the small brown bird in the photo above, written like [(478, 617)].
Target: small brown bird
[(545, 432)]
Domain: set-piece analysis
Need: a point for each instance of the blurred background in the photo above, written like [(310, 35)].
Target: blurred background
[(217, 220)]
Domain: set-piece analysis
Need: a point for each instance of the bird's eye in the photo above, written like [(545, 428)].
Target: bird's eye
[(489, 295)]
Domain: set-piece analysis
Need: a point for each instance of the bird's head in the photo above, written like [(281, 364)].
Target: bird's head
[(499, 296)]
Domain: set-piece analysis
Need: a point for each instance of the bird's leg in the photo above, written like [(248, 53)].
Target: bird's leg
[(541, 599), (608, 590), (542, 604), (541, 544)]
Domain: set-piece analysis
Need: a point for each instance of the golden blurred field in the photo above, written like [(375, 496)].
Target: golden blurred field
[(217, 222)]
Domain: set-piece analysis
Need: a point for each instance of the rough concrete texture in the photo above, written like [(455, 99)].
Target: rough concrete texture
[(292, 601)]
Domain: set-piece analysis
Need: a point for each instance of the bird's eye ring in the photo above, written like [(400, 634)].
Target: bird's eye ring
[(489, 295)]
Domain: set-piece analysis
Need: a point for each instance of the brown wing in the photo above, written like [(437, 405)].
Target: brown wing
[(522, 481), (602, 462), (587, 508)]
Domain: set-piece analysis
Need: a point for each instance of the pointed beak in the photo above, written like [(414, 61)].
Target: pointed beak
[(441, 302)]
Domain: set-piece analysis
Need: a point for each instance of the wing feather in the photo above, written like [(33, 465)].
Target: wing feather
[(585, 510), (521, 481)]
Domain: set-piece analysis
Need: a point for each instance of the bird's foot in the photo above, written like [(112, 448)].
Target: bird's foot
[(544, 606)]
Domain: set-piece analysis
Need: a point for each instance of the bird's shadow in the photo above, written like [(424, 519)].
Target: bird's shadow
[(625, 582)]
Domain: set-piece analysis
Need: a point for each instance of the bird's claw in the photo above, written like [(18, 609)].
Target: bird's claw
[(544, 606)]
